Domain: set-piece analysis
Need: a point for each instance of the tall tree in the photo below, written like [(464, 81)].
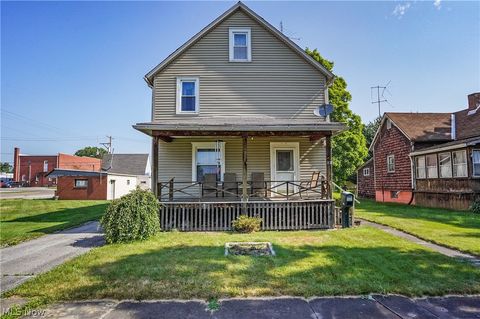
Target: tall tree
[(349, 147), (5, 167), (91, 151)]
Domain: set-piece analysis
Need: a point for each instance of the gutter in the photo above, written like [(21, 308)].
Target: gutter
[(446, 148)]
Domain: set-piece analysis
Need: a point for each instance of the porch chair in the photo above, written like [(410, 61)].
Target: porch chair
[(230, 186), (311, 184), (209, 185), (258, 184)]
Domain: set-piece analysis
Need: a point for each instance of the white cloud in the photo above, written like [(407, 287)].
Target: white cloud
[(437, 4), (401, 9)]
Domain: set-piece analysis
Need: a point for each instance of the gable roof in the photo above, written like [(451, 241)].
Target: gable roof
[(133, 164), (419, 127), (239, 6)]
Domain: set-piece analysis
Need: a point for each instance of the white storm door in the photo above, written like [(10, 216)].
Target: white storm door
[(284, 166)]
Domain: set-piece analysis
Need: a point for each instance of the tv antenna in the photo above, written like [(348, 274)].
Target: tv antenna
[(380, 96), (108, 145), (291, 38)]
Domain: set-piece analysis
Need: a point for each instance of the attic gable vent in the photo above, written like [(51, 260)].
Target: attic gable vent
[(389, 124)]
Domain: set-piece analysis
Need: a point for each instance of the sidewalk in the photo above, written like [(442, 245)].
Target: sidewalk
[(372, 307)]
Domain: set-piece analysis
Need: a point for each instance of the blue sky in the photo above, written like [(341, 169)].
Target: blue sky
[(72, 72)]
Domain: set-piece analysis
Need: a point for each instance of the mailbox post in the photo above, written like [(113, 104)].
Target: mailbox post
[(348, 201)]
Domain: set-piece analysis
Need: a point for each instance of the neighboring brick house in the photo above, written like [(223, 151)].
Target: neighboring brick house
[(32, 169), (366, 180)]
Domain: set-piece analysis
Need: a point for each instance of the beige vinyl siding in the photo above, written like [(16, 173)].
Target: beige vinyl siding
[(175, 158), (278, 82)]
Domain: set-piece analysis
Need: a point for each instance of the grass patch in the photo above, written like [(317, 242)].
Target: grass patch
[(24, 219), (456, 229), (308, 263)]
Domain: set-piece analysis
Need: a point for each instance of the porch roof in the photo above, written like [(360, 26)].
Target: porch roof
[(235, 125)]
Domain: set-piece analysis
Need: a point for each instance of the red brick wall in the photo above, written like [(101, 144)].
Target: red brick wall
[(66, 161), (392, 142), (97, 188), (365, 184), (31, 170)]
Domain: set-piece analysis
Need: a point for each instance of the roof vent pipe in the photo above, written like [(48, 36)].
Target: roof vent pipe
[(453, 127)]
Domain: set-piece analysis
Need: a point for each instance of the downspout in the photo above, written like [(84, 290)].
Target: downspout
[(412, 174)]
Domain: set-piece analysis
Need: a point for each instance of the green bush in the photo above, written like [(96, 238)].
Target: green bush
[(131, 217), (245, 224), (476, 206)]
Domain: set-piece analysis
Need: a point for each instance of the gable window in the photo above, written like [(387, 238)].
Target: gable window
[(45, 166), (81, 183), (366, 171), (187, 95), (391, 163), (240, 49), (421, 169), (432, 166), (459, 159), (208, 158), (476, 163), (445, 163)]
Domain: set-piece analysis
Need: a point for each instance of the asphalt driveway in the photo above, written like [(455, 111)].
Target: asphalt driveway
[(27, 193), (23, 261)]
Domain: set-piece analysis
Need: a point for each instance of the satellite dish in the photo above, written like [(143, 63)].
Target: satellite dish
[(323, 110)]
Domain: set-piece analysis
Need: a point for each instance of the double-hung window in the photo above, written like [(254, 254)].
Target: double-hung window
[(476, 163), (459, 164), (208, 158), (188, 95), (432, 171), (391, 164), (240, 48), (445, 163), (421, 169), (45, 166), (366, 171)]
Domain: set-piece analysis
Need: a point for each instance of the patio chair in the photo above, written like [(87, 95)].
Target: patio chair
[(312, 184), (258, 185), (209, 185), (230, 186)]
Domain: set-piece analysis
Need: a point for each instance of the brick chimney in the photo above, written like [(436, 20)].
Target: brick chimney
[(16, 164), (473, 101)]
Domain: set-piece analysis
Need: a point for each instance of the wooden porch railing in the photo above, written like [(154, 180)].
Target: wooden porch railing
[(276, 215)]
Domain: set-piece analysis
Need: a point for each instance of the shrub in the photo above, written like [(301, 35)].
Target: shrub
[(131, 217), (476, 206), (245, 224)]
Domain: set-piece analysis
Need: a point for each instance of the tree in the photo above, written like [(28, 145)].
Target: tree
[(370, 129), (91, 151), (349, 147), (5, 167)]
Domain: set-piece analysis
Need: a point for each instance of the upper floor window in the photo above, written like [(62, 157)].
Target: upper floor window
[(45, 166), (391, 163), (432, 171), (240, 45), (187, 95), (476, 163), (445, 163), (421, 170), (389, 124), (366, 171), (459, 164)]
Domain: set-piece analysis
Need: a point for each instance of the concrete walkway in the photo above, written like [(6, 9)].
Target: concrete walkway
[(372, 307), (440, 249), (23, 261)]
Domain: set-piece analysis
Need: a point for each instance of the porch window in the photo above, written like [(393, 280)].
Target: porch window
[(187, 95), (476, 163), (459, 164), (445, 162), (208, 158), (432, 171), (240, 45), (390, 163), (421, 169)]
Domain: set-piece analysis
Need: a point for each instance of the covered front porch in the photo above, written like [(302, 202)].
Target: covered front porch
[(206, 174)]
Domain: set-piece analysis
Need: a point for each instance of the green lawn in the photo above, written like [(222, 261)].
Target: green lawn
[(456, 229), (308, 263), (23, 219)]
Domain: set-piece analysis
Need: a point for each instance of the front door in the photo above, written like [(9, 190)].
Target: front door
[(112, 189), (284, 164)]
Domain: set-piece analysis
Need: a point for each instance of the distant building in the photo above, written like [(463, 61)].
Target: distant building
[(32, 170), (130, 164), (366, 180)]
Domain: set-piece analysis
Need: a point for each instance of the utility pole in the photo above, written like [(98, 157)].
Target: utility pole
[(108, 145), (379, 100)]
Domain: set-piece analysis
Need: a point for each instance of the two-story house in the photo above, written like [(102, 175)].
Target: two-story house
[(235, 129)]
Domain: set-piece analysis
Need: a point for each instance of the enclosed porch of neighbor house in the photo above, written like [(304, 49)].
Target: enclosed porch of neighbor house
[(205, 176)]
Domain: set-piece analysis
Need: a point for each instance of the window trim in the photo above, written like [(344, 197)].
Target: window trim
[(440, 165), (466, 164), (45, 166), (366, 171), (436, 165), (80, 179), (473, 164), (388, 168), (231, 32), (179, 94), (207, 145), (424, 167)]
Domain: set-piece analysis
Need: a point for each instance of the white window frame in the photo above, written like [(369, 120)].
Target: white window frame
[(366, 171), (431, 166), (231, 32), (179, 94), (473, 164), (207, 145), (440, 165), (45, 166), (80, 179), (466, 165), (393, 163), (389, 124), (424, 167)]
